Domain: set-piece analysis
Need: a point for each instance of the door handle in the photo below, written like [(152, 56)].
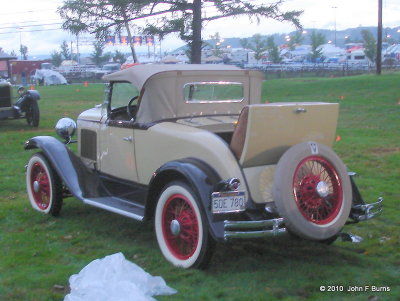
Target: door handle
[(129, 139)]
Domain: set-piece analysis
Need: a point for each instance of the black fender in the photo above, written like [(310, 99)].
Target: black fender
[(24, 101), (201, 177), (79, 179)]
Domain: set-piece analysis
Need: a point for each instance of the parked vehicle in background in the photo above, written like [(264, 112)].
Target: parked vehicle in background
[(25, 107), (107, 69), (191, 148)]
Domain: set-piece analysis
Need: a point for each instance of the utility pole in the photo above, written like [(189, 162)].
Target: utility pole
[(334, 10), (379, 41), (77, 49)]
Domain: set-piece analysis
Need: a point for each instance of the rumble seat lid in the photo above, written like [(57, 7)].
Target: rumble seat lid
[(273, 128)]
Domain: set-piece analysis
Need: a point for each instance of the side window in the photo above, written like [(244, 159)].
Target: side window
[(209, 92), (121, 94)]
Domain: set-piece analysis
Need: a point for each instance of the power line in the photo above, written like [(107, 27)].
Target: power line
[(35, 30), (22, 22), (26, 26), (26, 11)]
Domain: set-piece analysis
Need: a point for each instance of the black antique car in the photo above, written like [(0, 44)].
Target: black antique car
[(25, 107)]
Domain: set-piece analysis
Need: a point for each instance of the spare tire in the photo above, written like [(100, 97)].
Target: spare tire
[(312, 191)]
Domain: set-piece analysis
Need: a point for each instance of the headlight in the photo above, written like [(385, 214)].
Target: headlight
[(65, 128)]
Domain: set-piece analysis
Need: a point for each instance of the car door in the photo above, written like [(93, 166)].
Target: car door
[(116, 139)]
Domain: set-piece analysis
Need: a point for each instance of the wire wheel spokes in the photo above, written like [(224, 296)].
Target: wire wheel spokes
[(180, 226), (317, 190), (40, 185)]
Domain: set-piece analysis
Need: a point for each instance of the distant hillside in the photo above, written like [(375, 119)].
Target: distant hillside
[(354, 35)]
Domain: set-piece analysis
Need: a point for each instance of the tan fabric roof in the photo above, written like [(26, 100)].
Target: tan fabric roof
[(139, 74), (162, 89)]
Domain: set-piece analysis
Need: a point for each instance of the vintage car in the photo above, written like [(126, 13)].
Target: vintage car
[(25, 107), (192, 148)]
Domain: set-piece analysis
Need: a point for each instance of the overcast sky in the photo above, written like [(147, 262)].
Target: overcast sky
[(36, 24)]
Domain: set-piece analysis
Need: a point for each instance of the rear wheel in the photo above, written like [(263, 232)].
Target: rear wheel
[(181, 227), (43, 185), (312, 191), (33, 114)]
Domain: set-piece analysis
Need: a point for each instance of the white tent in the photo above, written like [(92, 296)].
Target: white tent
[(50, 77)]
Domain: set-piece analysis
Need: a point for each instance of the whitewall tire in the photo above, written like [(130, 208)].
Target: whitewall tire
[(181, 227), (44, 186)]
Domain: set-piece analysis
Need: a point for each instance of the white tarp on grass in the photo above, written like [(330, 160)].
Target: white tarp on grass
[(50, 77), (117, 279)]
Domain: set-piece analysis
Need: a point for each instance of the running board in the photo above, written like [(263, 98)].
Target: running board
[(117, 205)]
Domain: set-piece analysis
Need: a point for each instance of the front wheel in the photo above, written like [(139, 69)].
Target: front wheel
[(312, 191), (43, 185), (33, 114), (181, 227)]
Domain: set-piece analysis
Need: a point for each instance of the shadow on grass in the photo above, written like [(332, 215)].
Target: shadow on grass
[(264, 254)]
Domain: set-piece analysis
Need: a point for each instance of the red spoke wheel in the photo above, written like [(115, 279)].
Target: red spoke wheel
[(181, 228), (317, 189), (312, 191), (43, 185)]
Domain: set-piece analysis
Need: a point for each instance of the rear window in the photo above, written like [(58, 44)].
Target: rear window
[(209, 92)]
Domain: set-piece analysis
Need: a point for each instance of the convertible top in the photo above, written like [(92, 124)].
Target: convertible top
[(162, 89), (139, 74)]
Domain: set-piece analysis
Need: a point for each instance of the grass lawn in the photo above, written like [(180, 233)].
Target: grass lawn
[(39, 252)]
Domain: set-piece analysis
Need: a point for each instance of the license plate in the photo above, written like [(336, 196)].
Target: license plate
[(230, 201)]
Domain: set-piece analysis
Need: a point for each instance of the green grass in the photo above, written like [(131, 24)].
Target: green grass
[(39, 252)]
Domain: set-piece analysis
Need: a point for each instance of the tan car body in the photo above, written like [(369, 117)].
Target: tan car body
[(135, 154)]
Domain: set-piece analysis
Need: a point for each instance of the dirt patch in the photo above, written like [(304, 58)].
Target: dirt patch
[(384, 151)]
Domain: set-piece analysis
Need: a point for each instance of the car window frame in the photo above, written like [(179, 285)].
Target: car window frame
[(111, 92)]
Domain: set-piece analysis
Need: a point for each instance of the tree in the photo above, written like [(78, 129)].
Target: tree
[(119, 57), (98, 57), (100, 17), (273, 51), (24, 52), (258, 44), (164, 17), (369, 45), (56, 58), (65, 51), (244, 43), (317, 39), (295, 39), (217, 41)]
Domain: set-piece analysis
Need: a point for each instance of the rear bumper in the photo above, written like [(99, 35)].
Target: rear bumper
[(363, 212), (253, 229)]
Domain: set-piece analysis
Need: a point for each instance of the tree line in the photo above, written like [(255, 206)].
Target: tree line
[(98, 56), (186, 18)]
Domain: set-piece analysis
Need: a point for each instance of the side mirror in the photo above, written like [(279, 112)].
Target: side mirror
[(65, 128)]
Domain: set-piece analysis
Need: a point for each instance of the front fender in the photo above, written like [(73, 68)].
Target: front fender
[(24, 101), (201, 177), (80, 180)]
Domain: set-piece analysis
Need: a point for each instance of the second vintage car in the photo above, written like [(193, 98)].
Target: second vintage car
[(192, 148), (26, 105)]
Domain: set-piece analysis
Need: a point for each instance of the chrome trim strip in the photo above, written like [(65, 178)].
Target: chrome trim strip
[(115, 210)]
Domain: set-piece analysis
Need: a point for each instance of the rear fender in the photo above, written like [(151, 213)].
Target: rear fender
[(201, 177), (79, 179)]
